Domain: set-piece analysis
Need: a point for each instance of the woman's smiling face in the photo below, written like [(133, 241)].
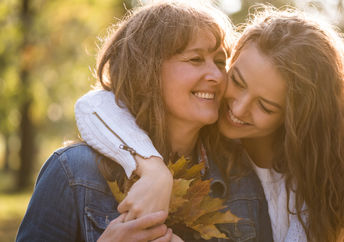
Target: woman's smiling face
[(193, 82), (255, 97)]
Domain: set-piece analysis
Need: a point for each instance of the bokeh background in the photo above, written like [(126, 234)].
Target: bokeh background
[(47, 59)]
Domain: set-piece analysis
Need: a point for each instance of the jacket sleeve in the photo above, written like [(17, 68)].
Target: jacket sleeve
[(52, 212), (111, 130)]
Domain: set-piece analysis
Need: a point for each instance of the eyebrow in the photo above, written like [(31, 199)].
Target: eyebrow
[(263, 99), (210, 50)]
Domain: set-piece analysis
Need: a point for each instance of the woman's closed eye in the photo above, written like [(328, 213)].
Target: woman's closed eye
[(221, 63), (264, 108), (196, 59), (236, 82)]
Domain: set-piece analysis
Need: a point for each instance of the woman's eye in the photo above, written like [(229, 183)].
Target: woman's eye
[(196, 59), (236, 82), (265, 109), (221, 63)]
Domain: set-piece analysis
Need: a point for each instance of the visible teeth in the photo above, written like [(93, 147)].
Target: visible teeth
[(234, 119), (205, 95)]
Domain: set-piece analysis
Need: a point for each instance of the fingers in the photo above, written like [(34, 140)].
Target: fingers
[(119, 219), (133, 210), (123, 206), (151, 219), (155, 232), (176, 238), (131, 215), (166, 238)]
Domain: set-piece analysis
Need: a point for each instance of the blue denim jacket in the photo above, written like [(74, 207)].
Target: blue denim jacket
[(72, 202)]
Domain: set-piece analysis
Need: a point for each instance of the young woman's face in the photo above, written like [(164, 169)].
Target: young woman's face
[(255, 97), (194, 82)]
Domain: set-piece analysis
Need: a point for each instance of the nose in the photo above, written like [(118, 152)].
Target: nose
[(240, 105), (215, 74)]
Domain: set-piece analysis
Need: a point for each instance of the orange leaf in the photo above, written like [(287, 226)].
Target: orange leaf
[(209, 231), (212, 204), (178, 167), (217, 218), (116, 191), (194, 171)]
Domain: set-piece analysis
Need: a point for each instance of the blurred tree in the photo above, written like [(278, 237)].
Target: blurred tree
[(47, 54), (246, 6), (9, 39), (27, 128)]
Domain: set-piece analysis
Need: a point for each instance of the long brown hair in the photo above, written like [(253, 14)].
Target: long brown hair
[(309, 55), (132, 57)]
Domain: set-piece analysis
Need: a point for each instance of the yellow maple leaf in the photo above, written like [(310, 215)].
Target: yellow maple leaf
[(194, 171), (212, 204), (178, 167), (209, 231), (117, 193), (179, 190)]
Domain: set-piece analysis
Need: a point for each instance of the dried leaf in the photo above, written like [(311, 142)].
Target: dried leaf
[(116, 191), (178, 167), (212, 204), (180, 188), (191, 204), (194, 171), (217, 218), (209, 231)]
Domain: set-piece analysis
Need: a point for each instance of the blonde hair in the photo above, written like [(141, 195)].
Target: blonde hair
[(309, 55)]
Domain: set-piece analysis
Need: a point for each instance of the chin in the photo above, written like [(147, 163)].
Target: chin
[(228, 131), (211, 120)]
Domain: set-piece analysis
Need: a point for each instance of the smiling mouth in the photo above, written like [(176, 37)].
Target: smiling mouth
[(205, 95), (235, 120)]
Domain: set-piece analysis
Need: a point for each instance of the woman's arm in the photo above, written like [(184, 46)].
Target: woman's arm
[(146, 228), (112, 131), (52, 211)]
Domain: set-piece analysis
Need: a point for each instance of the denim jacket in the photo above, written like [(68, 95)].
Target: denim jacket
[(72, 202)]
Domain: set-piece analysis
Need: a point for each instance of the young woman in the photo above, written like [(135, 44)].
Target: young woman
[(285, 102), (285, 105), (167, 64)]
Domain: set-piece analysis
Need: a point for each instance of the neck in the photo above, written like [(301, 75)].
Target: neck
[(260, 151), (183, 137)]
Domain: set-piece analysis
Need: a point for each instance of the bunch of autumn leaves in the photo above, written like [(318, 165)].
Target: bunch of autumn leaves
[(191, 205)]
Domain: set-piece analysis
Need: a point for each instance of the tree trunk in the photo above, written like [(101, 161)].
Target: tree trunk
[(27, 134), (6, 166)]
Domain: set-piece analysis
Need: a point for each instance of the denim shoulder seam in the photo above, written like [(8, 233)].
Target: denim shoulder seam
[(73, 181)]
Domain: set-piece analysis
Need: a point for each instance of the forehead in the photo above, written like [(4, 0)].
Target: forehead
[(203, 40), (260, 74)]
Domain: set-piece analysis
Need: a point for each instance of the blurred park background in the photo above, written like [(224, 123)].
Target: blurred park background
[(47, 57)]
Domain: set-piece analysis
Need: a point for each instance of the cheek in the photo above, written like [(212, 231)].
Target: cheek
[(269, 123), (228, 90), (222, 92)]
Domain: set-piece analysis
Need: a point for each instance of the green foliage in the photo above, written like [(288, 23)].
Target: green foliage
[(59, 54)]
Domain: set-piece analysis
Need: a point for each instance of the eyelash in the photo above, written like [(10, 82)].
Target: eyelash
[(196, 59), (236, 83), (221, 63), (268, 111)]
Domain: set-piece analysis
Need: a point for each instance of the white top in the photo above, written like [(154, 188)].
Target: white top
[(105, 127), (285, 227)]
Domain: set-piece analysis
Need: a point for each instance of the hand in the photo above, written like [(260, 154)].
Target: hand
[(151, 192), (176, 238), (146, 228)]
